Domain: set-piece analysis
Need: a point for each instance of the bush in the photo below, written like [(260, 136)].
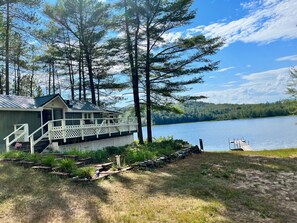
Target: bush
[(80, 154), (67, 165), (49, 161), (99, 156), (15, 155), (82, 173), (33, 157), (138, 155)]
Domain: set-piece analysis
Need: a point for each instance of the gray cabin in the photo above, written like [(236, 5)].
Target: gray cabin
[(36, 123)]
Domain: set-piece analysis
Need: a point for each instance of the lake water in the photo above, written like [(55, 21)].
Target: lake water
[(261, 133)]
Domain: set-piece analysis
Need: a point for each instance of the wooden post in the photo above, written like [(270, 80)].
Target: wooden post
[(201, 145), (63, 129), (32, 144)]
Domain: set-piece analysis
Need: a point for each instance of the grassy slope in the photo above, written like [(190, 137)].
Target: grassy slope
[(201, 188)]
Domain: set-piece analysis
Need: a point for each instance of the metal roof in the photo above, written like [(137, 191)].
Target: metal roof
[(17, 102), (40, 101), (20, 102), (83, 106)]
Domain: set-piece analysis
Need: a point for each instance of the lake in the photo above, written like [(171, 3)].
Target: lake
[(261, 133)]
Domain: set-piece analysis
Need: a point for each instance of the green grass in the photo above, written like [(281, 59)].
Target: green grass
[(274, 153), (207, 187)]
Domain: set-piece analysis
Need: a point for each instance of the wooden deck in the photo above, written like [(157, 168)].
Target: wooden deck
[(240, 145)]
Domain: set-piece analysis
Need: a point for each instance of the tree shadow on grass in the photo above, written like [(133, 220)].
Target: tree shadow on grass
[(37, 196), (210, 176)]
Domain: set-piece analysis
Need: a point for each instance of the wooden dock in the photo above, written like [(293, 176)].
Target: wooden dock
[(240, 145)]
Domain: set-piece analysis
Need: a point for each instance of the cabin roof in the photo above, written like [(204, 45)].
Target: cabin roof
[(83, 106), (40, 101), (13, 102), (17, 102)]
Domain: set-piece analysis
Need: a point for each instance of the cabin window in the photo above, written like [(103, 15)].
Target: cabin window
[(88, 118)]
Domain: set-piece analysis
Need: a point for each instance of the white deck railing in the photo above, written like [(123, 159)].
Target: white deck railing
[(64, 129), (20, 133)]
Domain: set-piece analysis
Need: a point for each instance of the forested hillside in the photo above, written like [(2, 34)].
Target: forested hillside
[(200, 111)]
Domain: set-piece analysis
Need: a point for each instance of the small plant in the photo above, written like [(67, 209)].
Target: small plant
[(49, 161), (82, 173), (15, 155), (67, 165), (33, 157)]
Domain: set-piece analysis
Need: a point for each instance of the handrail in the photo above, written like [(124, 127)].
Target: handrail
[(37, 130), (25, 131), (31, 136), (23, 125)]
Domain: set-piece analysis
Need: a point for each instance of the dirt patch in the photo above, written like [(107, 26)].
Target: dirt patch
[(279, 187)]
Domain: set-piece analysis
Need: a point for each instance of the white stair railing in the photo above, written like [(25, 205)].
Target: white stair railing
[(33, 142), (18, 133)]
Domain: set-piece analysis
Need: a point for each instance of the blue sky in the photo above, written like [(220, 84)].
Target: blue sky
[(261, 47)]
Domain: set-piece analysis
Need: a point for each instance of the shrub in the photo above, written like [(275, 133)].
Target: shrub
[(80, 154), (99, 156), (33, 157), (48, 161), (82, 173), (67, 165), (138, 155), (15, 155)]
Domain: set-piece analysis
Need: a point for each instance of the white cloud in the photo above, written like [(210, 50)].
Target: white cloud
[(288, 58), (267, 86), (266, 21), (225, 69)]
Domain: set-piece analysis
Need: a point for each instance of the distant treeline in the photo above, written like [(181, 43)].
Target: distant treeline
[(200, 111)]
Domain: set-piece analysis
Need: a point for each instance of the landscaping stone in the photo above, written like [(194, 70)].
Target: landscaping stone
[(43, 168), (60, 174), (163, 160)]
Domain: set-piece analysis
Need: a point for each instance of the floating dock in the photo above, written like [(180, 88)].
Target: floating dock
[(239, 145)]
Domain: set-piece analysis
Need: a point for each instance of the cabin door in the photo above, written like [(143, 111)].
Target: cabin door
[(47, 115)]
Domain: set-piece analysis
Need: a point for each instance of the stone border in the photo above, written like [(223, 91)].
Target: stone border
[(163, 160)]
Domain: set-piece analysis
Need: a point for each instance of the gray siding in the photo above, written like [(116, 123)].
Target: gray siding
[(9, 118)]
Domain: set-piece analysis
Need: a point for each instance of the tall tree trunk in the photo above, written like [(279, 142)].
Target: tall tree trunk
[(49, 77), (91, 77), (53, 72), (98, 90), (32, 79), (80, 75), (7, 33), (148, 86), (84, 80), (134, 71), (18, 79)]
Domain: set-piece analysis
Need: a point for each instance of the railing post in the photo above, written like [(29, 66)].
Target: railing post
[(63, 130), (32, 144), (108, 125), (7, 144), (26, 130), (50, 131), (81, 129)]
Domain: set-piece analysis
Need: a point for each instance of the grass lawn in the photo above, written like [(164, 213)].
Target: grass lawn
[(208, 187)]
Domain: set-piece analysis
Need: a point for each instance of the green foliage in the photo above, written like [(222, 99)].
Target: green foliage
[(160, 147), (15, 155), (48, 161), (33, 157), (67, 166), (82, 172), (199, 111), (134, 155)]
